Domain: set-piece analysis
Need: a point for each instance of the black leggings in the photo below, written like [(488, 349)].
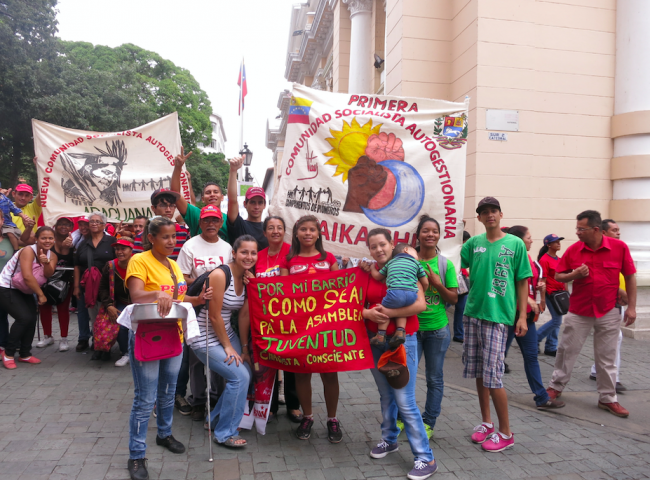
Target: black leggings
[(22, 307), (290, 395)]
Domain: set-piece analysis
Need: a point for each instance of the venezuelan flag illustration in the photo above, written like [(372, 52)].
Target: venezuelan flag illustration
[(299, 110)]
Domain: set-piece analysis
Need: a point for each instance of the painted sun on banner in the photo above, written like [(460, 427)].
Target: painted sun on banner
[(115, 173), (359, 162)]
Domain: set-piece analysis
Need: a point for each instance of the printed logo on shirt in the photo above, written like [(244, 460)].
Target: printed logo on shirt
[(318, 266), (480, 250), (182, 288), (207, 263), (501, 272), (270, 272)]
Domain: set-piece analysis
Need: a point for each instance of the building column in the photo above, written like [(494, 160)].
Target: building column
[(630, 169), (361, 58)]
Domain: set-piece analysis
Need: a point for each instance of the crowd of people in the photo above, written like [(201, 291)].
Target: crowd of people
[(101, 269)]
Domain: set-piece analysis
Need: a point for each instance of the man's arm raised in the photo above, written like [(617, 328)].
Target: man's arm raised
[(233, 204), (179, 161)]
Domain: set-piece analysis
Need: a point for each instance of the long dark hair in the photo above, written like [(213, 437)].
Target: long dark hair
[(542, 251), (295, 244), (424, 219), (518, 231), (153, 227)]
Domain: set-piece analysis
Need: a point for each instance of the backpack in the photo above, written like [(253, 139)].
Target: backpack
[(194, 290)]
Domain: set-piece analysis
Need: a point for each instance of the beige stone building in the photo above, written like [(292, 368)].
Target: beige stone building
[(571, 76)]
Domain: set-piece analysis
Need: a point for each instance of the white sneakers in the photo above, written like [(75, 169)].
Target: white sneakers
[(45, 342), (63, 345), (122, 362)]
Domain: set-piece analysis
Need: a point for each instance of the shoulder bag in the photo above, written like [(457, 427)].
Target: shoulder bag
[(158, 340), (560, 301), (18, 281)]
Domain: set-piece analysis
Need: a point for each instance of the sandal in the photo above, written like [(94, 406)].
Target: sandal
[(378, 340), (397, 339), (232, 442)]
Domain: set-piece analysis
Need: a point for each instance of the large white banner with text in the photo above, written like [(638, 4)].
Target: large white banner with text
[(359, 162), (114, 173)]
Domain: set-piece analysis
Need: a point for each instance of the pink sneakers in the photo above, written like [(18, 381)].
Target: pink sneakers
[(33, 360), (497, 442), (482, 432)]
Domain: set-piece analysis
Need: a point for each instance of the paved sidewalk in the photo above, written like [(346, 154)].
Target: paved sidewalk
[(68, 419)]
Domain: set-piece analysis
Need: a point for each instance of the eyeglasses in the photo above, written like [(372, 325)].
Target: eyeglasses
[(96, 222), (580, 230)]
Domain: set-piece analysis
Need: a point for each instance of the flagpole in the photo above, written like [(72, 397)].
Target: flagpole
[(241, 109)]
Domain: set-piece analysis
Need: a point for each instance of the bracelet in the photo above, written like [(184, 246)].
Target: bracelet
[(244, 346)]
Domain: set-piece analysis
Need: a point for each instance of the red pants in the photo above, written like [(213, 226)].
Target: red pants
[(64, 316)]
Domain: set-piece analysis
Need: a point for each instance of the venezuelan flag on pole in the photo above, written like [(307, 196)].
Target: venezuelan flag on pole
[(243, 89), (299, 110)]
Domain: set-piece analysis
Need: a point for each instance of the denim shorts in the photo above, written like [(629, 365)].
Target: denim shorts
[(399, 298)]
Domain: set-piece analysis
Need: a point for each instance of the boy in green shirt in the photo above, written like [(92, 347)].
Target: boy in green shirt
[(498, 272)]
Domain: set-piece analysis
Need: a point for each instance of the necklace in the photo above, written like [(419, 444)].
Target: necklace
[(274, 260)]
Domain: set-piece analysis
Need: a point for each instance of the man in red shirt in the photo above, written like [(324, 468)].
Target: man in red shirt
[(594, 265)]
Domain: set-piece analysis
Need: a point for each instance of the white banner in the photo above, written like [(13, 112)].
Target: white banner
[(114, 173), (359, 162)]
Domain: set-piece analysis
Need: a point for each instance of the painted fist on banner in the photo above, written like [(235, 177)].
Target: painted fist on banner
[(384, 147)]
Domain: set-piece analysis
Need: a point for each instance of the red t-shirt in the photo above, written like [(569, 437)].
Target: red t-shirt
[(533, 281), (549, 264), (596, 294), (270, 266), (375, 292), (300, 265)]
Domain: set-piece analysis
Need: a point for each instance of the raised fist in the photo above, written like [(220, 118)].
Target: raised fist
[(365, 179), (385, 147)]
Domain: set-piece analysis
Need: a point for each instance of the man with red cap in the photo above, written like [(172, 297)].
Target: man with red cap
[(201, 254), (23, 196), (255, 203)]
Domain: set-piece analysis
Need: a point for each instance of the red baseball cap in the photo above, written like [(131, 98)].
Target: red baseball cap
[(23, 187), (69, 219), (124, 241), (211, 211), (83, 219), (255, 192)]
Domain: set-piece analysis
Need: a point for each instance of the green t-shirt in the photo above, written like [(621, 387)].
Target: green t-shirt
[(494, 269), (192, 216), (435, 316)]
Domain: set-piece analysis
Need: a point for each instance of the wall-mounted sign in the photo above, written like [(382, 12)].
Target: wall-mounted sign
[(499, 137), (507, 120)]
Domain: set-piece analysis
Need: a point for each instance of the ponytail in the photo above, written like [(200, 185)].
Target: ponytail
[(153, 227), (542, 251)]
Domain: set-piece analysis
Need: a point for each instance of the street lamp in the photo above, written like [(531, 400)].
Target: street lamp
[(248, 155)]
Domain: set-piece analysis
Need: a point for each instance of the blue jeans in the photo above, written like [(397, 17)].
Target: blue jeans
[(399, 298), (4, 328), (433, 344), (230, 408), (153, 382), (459, 311), (403, 399), (550, 330), (528, 346)]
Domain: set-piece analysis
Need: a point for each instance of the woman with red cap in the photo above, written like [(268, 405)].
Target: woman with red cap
[(549, 259), (64, 251), (114, 298)]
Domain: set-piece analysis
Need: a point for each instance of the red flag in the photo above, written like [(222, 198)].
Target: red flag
[(243, 90)]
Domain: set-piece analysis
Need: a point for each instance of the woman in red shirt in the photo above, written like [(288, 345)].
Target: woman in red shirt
[(393, 400), (307, 255), (548, 259), (268, 265)]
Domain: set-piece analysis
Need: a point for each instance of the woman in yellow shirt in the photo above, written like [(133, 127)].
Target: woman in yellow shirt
[(151, 277)]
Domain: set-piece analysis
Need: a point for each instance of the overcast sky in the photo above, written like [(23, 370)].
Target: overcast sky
[(209, 38)]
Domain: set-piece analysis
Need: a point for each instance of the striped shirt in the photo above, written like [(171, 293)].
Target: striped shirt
[(403, 272), (182, 235), (231, 302)]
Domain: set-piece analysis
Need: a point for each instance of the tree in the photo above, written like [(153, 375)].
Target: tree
[(28, 47), (78, 85), (204, 168)]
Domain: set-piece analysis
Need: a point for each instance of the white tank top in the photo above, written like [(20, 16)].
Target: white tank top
[(8, 271)]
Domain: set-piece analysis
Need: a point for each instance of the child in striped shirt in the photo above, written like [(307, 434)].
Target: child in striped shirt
[(402, 274)]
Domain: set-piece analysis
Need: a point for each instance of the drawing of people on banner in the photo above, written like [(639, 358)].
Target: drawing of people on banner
[(93, 179)]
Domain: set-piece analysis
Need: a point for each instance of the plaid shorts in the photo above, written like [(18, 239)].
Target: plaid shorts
[(484, 348)]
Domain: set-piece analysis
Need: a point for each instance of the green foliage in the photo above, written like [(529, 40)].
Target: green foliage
[(79, 85), (437, 126), (204, 168)]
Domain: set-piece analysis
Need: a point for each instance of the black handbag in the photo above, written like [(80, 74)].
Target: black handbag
[(560, 301), (57, 287)]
